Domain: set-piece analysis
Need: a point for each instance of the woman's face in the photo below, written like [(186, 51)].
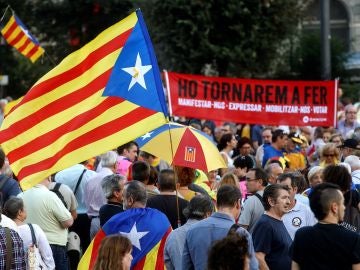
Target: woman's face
[(126, 262), (316, 179)]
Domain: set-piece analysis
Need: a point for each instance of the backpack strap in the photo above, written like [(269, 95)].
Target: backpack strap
[(33, 237), (79, 180), (233, 229), (9, 249), (257, 195), (58, 193)]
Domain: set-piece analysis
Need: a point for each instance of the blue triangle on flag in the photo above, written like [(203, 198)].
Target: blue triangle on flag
[(135, 76)]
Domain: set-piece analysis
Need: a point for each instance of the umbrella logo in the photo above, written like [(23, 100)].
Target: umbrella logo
[(190, 153)]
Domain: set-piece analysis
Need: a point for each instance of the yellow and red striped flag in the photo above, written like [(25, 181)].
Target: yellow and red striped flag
[(105, 94), (17, 35)]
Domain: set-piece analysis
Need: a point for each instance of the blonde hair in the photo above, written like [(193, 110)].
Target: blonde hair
[(229, 179)]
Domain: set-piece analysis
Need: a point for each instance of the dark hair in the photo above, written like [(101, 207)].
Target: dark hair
[(166, 180), (277, 133), (2, 158), (112, 250), (243, 162), (153, 176), (227, 137), (140, 171), (321, 197), (146, 155), (260, 173), (282, 177), (242, 141), (198, 207), (272, 192), (12, 207), (229, 253), (135, 190), (227, 196), (339, 175), (126, 146), (185, 175)]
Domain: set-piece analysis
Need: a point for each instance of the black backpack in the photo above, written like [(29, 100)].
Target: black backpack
[(58, 193)]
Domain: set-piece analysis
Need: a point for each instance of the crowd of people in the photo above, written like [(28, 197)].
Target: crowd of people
[(288, 199)]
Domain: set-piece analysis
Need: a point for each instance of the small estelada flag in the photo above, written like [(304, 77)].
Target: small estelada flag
[(17, 35), (190, 153)]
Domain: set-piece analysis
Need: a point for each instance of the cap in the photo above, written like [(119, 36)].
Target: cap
[(350, 143), (295, 137)]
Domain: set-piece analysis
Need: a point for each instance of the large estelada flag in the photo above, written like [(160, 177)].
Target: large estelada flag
[(104, 95), (17, 35), (147, 230)]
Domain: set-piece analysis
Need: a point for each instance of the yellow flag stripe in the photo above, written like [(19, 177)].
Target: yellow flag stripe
[(8, 25), (151, 257)]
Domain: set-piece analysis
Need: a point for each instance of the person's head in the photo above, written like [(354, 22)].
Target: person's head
[(229, 179), (109, 160), (141, 171), (256, 179), (244, 146), (266, 135), (336, 139), (227, 141), (294, 141), (315, 176), (318, 133), (273, 170), (212, 175), (112, 186), (326, 200), (231, 252), (279, 138), (228, 127), (242, 164), (199, 207), (276, 199), (134, 195), (153, 176), (14, 209), (350, 113), (166, 180), (288, 180), (338, 175), (329, 154), (145, 156), (229, 197), (114, 253), (327, 135), (206, 128), (348, 147), (185, 175), (353, 161), (129, 150)]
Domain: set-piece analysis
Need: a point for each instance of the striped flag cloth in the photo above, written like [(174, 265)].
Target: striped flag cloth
[(104, 95), (17, 35), (147, 230)]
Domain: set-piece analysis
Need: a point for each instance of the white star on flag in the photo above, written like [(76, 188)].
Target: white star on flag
[(137, 72), (147, 135), (134, 236)]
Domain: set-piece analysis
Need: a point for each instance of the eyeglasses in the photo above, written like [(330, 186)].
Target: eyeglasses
[(329, 155), (249, 179)]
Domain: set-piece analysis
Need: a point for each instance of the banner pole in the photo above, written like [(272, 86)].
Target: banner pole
[(3, 16)]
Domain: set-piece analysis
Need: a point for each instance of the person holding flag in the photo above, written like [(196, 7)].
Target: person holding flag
[(146, 228)]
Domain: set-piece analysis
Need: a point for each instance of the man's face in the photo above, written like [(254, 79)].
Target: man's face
[(266, 136), (316, 179), (282, 141), (282, 202), (252, 184), (350, 115), (131, 153), (346, 151), (120, 192), (275, 172), (240, 172), (292, 190)]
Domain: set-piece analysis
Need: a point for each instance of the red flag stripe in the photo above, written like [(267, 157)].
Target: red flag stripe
[(95, 249), (160, 255), (78, 121), (11, 29), (55, 107), (70, 74), (32, 51), (23, 47), (92, 136), (140, 264), (17, 38)]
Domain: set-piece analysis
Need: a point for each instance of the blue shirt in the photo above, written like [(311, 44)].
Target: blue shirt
[(201, 236), (271, 237), (269, 152)]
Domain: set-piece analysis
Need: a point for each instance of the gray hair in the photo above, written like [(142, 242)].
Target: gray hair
[(353, 161), (198, 207), (110, 184), (108, 159), (135, 190)]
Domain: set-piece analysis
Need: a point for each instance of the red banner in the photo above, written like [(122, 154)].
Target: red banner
[(268, 102)]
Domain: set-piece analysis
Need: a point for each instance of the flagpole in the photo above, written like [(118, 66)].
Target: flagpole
[(3, 16)]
